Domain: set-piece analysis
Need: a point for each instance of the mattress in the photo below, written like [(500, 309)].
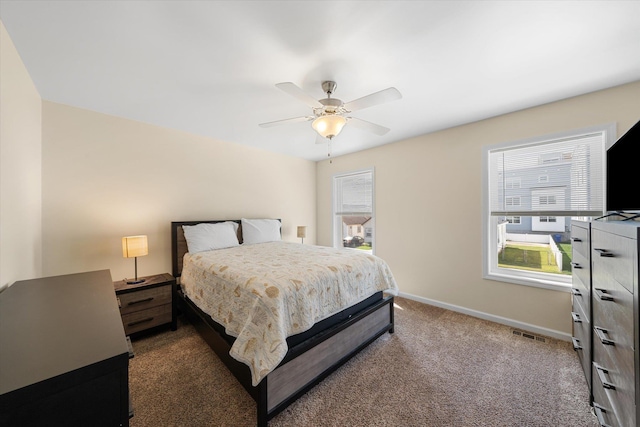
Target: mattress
[(264, 293)]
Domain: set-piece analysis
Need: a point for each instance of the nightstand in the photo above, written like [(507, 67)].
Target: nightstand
[(148, 304)]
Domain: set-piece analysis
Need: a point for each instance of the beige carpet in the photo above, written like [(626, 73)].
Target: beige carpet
[(440, 368)]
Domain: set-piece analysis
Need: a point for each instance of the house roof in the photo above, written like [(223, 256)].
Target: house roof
[(355, 220), (210, 67)]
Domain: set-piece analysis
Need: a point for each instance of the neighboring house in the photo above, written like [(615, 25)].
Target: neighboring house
[(544, 186), (357, 226)]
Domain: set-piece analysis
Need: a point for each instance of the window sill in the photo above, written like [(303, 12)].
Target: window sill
[(544, 283)]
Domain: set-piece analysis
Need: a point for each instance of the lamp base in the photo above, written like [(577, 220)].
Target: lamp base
[(135, 281)]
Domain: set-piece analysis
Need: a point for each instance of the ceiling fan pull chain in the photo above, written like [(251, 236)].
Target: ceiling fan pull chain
[(329, 152)]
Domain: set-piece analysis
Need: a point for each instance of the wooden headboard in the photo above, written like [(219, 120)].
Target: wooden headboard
[(179, 243)]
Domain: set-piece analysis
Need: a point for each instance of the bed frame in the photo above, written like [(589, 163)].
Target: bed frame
[(312, 356)]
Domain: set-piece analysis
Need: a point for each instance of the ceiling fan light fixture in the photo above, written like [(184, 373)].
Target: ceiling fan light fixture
[(329, 126)]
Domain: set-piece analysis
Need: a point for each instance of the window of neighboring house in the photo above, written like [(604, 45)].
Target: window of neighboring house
[(561, 177), (512, 200), (513, 182), (513, 219), (353, 201)]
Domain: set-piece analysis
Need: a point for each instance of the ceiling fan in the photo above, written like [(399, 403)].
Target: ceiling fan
[(331, 114)]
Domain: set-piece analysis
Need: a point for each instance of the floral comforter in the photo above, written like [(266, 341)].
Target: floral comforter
[(265, 292)]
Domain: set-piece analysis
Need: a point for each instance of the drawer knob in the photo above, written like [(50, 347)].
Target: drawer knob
[(603, 294), (602, 372), (604, 253), (148, 319), (576, 344), (140, 301), (600, 411), (576, 317), (602, 334)]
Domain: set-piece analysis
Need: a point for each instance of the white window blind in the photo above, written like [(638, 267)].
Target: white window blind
[(574, 170), (354, 194)]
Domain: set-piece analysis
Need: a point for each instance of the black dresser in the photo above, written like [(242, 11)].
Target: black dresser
[(606, 325), (64, 358)]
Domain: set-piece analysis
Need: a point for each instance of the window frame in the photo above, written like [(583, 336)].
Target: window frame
[(490, 269), (339, 243)]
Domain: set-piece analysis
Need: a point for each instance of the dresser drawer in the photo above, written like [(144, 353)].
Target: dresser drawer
[(580, 240), (602, 407), (145, 319), (144, 299), (613, 256), (582, 340), (616, 377), (581, 281), (613, 310)]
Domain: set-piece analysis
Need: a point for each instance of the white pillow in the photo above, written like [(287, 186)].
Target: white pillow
[(260, 231), (207, 237)]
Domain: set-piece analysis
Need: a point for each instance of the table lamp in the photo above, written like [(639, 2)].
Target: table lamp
[(302, 232), (133, 247)]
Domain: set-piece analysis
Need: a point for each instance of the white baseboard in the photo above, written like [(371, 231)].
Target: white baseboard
[(493, 318)]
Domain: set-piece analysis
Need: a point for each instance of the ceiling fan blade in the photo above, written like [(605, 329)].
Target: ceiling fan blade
[(298, 93), (365, 125), (286, 121), (385, 95)]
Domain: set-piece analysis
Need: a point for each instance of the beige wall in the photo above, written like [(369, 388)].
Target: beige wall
[(106, 177), (435, 180), (20, 165)]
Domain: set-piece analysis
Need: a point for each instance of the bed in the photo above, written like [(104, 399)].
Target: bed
[(284, 367)]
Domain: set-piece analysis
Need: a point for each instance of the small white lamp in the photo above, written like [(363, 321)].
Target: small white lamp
[(302, 232), (133, 247)]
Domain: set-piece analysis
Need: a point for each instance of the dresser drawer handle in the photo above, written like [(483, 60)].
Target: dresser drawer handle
[(602, 334), (576, 344), (576, 292), (604, 253), (141, 301), (148, 319), (576, 317), (602, 375), (575, 265), (599, 414), (576, 239), (603, 294)]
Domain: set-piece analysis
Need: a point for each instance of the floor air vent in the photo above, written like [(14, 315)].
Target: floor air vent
[(528, 335)]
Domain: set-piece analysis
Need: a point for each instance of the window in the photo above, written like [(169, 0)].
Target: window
[(560, 176), (353, 210), (512, 201), (513, 182)]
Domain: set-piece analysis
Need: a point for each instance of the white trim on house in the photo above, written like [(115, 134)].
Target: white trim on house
[(539, 330)]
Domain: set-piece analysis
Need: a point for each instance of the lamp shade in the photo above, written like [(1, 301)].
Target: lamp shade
[(302, 231), (329, 126), (134, 246)]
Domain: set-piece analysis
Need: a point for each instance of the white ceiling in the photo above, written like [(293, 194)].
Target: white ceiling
[(209, 67)]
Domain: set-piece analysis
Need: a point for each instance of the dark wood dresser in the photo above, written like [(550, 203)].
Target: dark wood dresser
[(614, 320), (64, 357)]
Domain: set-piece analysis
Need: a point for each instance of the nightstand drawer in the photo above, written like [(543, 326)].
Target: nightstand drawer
[(144, 319), (145, 299)]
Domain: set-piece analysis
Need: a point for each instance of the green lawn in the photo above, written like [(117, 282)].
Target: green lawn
[(535, 258)]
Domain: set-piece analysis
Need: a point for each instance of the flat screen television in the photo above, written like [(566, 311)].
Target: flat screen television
[(623, 172)]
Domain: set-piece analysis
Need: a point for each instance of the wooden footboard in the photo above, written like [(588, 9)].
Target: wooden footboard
[(307, 363)]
